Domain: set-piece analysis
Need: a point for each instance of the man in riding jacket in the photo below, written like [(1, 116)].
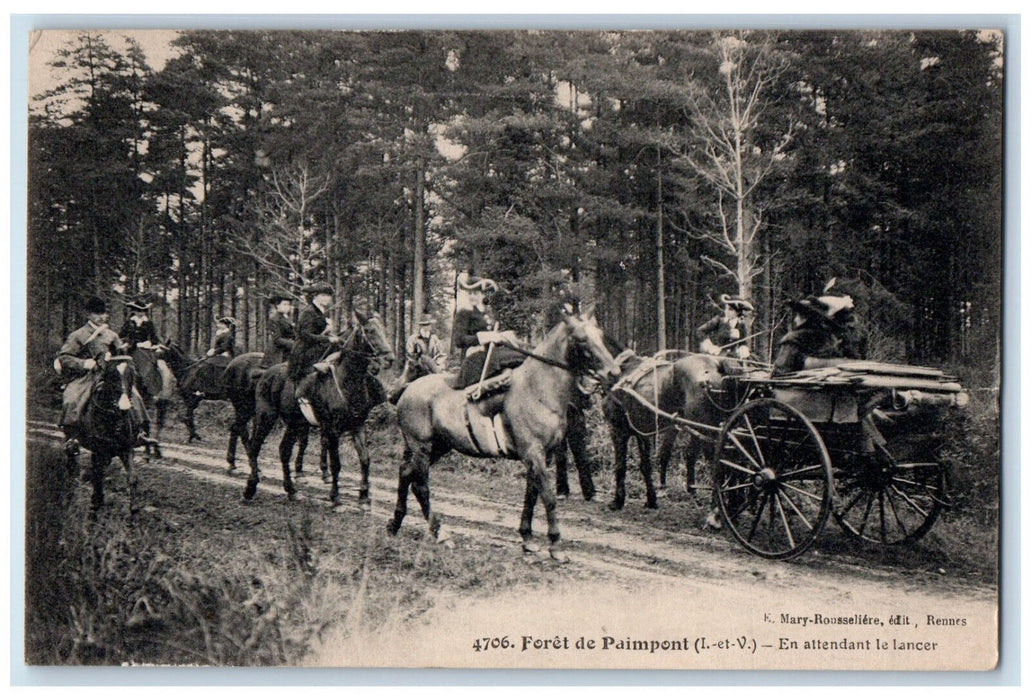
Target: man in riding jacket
[(138, 330), (77, 361), (281, 333), (726, 334), (472, 335), (314, 339), (422, 347)]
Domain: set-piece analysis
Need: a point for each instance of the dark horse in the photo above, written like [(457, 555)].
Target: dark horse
[(156, 383), (676, 388), (340, 397), (198, 381), (109, 427), (435, 419)]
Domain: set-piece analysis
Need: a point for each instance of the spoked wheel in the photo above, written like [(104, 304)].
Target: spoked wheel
[(773, 479), (893, 496)]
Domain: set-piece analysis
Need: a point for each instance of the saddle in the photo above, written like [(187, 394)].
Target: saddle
[(489, 386)]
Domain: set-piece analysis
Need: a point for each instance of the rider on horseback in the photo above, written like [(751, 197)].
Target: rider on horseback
[(472, 335), (312, 343), (224, 341), (138, 330), (424, 354), (78, 362), (281, 333)]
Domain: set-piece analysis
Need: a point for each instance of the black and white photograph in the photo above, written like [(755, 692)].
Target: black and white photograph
[(514, 348)]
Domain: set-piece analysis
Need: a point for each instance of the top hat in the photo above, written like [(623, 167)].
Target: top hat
[(96, 305), (426, 320)]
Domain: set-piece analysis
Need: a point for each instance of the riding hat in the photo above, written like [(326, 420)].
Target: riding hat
[(227, 320), (278, 297), (833, 309), (426, 320), (95, 305), (472, 283), (137, 305), (317, 288), (736, 303)]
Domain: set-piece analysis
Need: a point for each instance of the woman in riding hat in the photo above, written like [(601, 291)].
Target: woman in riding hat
[(823, 333), (471, 334), (727, 334), (138, 329), (281, 333), (224, 341)]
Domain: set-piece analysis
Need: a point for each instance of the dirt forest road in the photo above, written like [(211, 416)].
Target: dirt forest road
[(637, 582)]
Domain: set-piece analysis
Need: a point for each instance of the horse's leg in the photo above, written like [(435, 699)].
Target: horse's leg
[(324, 463), (422, 458), (620, 439), (97, 465), (302, 447), (561, 459), (160, 411), (667, 441), (191, 405), (692, 452), (358, 440), (526, 520), (404, 480), (286, 448), (263, 422), (644, 445), (132, 480), (536, 459), (576, 439), (330, 442), (234, 433)]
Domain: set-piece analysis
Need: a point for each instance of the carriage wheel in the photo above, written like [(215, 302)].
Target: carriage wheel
[(773, 479), (894, 496)]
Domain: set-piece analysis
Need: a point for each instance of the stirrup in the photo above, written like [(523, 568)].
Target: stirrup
[(307, 411)]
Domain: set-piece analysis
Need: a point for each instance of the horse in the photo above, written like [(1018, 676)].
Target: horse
[(529, 422), (676, 388), (340, 398), (198, 381), (109, 427), (156, 384)]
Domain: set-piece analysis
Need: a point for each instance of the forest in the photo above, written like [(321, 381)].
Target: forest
[(660, 169)]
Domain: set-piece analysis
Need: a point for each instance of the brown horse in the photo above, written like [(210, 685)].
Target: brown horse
[(530, 419), (110, 427), (677, 388), (342, 398), (156, 384)]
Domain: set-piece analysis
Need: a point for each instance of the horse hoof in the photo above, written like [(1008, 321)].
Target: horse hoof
[(713, 522), (392, 528), (615, 505), (531, 548), (230, 468), (294, 496), (652, 505), (558, 556), (326, 478), (588, 496), (365, 506), (561, 496)]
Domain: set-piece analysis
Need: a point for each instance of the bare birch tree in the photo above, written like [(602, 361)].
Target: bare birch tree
[(726, 153), (286, 247)]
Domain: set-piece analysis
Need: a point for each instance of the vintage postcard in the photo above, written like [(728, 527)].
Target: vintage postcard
[(535, 349)]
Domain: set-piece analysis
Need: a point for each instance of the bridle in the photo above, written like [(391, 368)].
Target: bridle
[(590, 372)]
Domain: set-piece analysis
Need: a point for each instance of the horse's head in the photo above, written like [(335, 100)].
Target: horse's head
[(370, 339), (117, 376), (588, 353)]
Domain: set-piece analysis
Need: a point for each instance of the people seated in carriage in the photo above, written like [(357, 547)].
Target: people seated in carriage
[(473, 336), (77, 362), (727, 333), (138, 330), (281, 332), (823, 333), (314, 340)]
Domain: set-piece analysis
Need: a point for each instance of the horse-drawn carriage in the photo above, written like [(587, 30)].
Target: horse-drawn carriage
[(857, 441)]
